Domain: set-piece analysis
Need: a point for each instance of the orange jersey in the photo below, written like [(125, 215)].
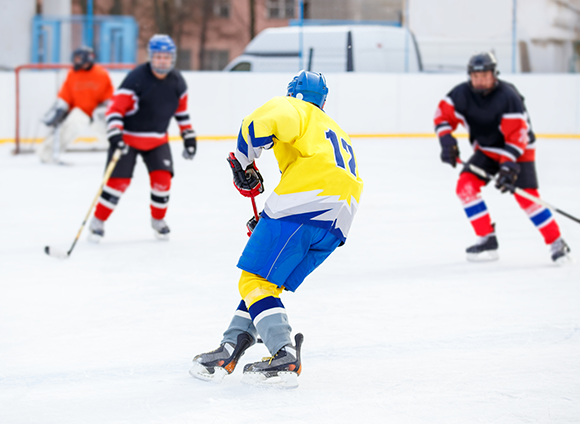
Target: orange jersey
[(86, 89)]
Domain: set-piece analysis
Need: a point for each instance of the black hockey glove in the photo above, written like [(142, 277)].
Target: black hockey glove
[(116, 141), (508, 174), (189, 144), (249, 182), (251, 224), (449, 149)]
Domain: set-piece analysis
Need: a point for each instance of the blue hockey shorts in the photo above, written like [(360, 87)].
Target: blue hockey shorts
[(284, 252)]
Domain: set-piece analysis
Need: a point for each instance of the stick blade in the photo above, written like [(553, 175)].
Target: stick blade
[(55, 253)]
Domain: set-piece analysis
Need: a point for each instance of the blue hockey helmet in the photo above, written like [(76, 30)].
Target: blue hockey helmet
[(162, 43), (310, 87)]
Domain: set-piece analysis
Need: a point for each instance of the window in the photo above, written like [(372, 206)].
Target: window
[(242, 66), (280, 9), (214, 60), (221, 8)]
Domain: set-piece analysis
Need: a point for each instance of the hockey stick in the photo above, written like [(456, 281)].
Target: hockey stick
[(482, 173), (255, 208), (256, 218), (58, 253)]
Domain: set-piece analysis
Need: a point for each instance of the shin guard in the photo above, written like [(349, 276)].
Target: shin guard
[(540, 216), (160, 189), (469, 193), (110, 197)]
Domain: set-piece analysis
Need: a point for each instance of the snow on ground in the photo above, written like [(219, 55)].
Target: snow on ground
[(398, 327)]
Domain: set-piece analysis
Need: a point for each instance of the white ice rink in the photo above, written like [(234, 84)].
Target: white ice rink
[(398, 327)]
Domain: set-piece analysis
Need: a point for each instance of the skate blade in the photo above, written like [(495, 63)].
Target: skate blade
[(200, 372), (94, 238), (284, 380), (487, 256), (159, 236), (565, 260)]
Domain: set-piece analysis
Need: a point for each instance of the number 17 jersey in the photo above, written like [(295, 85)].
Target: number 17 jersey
[(320, 183)]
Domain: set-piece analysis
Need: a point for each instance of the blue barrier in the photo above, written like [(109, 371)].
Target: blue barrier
[(114, 38)]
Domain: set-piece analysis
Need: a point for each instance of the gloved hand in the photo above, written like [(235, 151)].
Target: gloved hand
[(189, 144), (249, 182), (57, 118), (251, 224), (449, 149), (508, 174), (116, 141)]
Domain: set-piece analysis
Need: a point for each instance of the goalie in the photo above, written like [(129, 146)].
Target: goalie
[(86, 90)]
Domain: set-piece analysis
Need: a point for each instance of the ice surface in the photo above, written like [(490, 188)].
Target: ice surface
[(398, 326)]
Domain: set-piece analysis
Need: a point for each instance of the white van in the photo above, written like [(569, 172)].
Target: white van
[(330, 48)]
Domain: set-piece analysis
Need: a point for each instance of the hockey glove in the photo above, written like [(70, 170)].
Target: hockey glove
[(116, 141), (249, 182), (449, 149), (508, 174), (189, 144), (56, 118), (251, 225)]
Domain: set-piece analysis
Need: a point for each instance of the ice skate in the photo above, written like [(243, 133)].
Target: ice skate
[(160, 229), (560, 252), (485, 249), (281, 370), (215, 365), (96, 230)]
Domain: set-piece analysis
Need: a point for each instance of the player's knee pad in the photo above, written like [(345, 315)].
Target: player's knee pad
[(254, 288), (119, 184), (468, 187), (527, 204), (160, 180)]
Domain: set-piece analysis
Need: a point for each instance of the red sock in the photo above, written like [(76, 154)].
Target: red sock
[(469, 192), (540, 216), (110, 196), (160, 189)]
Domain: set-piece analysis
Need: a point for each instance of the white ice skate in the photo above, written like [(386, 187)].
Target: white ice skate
[(96, 230), (160, 229)]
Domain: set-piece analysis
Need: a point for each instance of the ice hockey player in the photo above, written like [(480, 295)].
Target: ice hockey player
[(499, 128), (86, 88), (138, 118), (304, 220)]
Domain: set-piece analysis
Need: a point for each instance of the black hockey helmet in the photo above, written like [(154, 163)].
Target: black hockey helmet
[(82, 56), (482, 62)]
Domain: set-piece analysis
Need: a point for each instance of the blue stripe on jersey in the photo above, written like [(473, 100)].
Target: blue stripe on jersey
[(242, 145), (264, 304), (542, 217), (475, 209), (259, 141), (242, 306)]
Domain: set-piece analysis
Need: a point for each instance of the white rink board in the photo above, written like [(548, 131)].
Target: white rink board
[(363, 103)]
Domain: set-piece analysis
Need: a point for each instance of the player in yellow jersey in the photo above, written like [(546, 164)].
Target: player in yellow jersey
[(305, 219)]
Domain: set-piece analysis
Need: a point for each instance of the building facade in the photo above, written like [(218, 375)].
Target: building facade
[(526, 36)]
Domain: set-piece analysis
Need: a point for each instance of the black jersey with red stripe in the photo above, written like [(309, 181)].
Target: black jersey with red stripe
[(143, 106), (498, 123)]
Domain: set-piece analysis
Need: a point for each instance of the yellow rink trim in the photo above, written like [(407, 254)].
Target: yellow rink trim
[(233, 137)]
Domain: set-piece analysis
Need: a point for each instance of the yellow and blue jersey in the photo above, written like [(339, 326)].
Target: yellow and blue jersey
[(320, 183)]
